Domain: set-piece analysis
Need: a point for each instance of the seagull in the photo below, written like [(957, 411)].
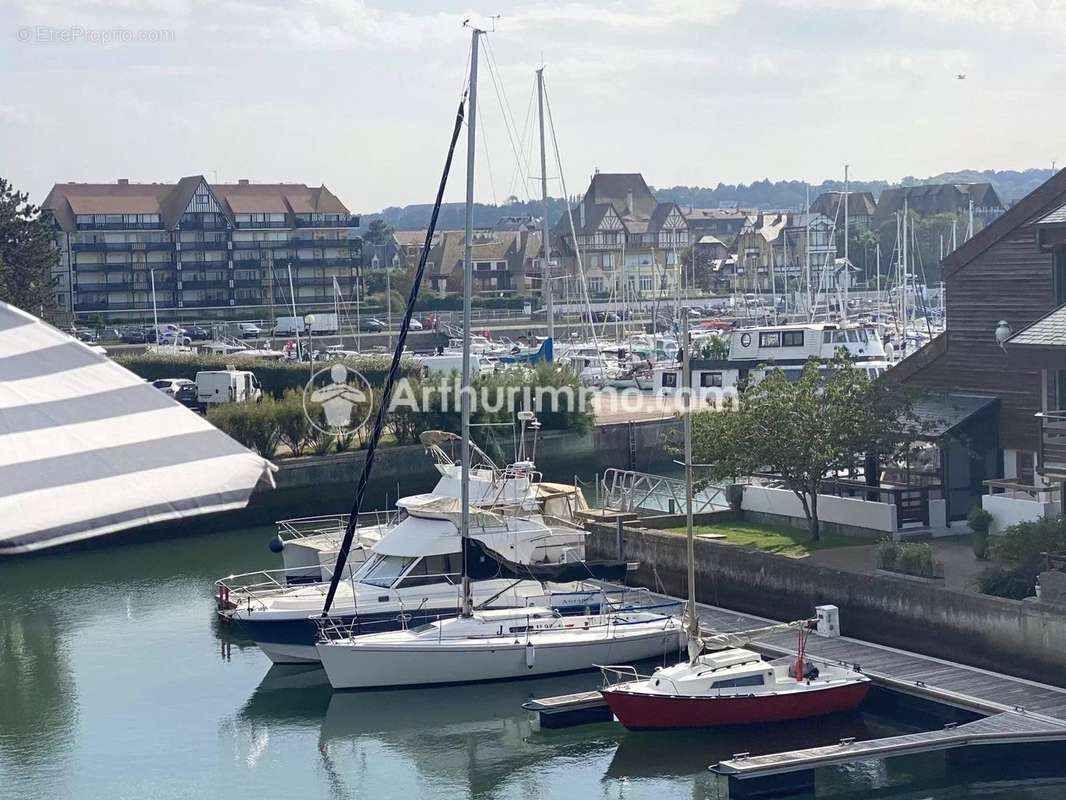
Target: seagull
[(961, 76)]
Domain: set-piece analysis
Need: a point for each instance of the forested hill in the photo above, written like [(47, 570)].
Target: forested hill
[(1009, 185)]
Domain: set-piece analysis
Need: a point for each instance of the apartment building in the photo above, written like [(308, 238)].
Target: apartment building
[(195, 245), (631, 244), (505, 263)]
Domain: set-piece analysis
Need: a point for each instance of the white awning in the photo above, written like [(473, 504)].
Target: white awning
[(88, 448)]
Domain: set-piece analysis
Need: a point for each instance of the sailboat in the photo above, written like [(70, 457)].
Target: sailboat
[(730, 686), (492, 644)]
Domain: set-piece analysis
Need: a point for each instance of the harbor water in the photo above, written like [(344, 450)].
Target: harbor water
[(116, 681)]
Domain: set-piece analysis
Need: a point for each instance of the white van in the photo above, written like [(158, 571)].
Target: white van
[(324, 324), (249, 330), (226, 386)]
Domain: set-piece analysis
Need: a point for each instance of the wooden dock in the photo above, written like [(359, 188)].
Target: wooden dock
[(1009, 727), (968, 688), (1014, 711)]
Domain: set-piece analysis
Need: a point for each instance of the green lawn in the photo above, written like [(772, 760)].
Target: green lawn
[(786, 541)]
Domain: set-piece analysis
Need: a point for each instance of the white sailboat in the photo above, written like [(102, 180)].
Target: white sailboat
[(488, 644)]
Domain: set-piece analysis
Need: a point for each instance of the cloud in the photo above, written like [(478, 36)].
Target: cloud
[(998, 14)]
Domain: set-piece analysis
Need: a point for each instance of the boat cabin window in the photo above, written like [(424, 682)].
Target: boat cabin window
[(748, 680), (670, 380), (864, 335), (445, 568), (769, 340), (835, 337), (853, 336), (792, 339), (383, 570), (710, 379)]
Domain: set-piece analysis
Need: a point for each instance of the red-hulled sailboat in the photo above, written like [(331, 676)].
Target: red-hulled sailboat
[(735, 687), (730, 686)]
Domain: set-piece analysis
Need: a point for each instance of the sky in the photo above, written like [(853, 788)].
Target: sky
[(360, 95)]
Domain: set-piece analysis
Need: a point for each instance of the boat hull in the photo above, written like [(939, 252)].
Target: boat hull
[(364, 667), (290, 638), (642, 711)]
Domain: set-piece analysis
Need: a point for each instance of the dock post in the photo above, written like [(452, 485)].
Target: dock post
[(619, 537)]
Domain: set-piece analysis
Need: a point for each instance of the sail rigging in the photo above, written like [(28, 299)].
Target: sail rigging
[(394, 369)]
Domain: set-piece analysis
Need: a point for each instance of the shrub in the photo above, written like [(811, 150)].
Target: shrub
[(251, 424), (734, 495), (916, 558), (887, 554), (979, 521), (910, 558), (1015, 581), (1027, 540), (293, 427)]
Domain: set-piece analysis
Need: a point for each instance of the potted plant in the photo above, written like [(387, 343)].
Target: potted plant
[(979, 521)]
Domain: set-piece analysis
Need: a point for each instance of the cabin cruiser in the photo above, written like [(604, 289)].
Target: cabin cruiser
[(309, 545), (412, 576), (753, 351)]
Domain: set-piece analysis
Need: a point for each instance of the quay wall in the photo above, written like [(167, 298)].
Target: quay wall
[(1021, 638)]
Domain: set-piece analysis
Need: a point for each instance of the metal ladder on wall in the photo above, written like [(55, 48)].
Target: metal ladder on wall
[(632, 432)]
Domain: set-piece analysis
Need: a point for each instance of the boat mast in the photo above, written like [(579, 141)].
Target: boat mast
[(545, 246), (468, 280), (847, 264), (692, 624)]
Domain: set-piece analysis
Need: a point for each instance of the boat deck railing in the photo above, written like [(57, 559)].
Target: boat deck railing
[(331, 524)]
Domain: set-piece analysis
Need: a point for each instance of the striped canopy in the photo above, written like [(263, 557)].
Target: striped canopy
[(88, 448)]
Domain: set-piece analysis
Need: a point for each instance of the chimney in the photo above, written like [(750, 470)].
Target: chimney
[(123, 181), (581, 214), (242, 182), (629, 200)]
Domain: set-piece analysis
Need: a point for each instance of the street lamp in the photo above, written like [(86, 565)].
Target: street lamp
[(309, 320)]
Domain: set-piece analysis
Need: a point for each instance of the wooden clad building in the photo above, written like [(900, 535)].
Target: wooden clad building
[(1011, 271)]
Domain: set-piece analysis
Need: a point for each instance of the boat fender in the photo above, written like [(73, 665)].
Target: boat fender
[(277, 544), (531, 654)]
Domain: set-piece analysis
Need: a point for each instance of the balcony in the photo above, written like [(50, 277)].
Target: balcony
[(183, 246), (104, 305), (103, 247), (119, 226), (347, 222), (83, 286), (197, 223), (323, 241), (205, 284), (1052, 454), (324, 262), (207, 303), (244, 226), (322, 280)]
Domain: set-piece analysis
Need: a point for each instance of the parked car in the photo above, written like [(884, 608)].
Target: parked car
[(416, 325), (133, 336), (198, 333), (174, 338), (85, 334), (172, 385), (372, 325), (249, 330), (188, 396)]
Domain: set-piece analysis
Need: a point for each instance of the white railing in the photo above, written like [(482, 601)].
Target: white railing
[(631, 491)]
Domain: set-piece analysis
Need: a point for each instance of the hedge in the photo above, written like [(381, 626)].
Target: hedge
[(263, 426)]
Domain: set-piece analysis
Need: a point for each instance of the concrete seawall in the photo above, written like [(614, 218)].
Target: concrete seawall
[(1019, 638)]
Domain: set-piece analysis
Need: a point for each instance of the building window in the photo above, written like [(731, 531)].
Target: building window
[(769, 340), (710, 380), (792, 339), (608, 261), (647, 283), (670, 380)]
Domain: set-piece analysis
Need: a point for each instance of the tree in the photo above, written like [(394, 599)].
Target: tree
[(378, 232), (27, 253), (806, 429)]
